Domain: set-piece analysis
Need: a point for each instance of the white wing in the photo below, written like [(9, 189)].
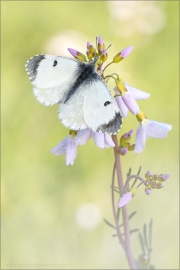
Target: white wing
[(51, 77), (90, 105), (71, 112), (101, 112)]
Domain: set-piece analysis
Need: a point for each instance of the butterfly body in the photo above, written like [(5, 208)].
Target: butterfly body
[(85, 100)]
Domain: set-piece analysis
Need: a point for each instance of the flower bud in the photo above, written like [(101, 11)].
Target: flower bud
[(131, 147), (123, 151), (123, 54), (146, 183), (155, 176), (89, 55), (159, 185), (148, 175), (90, 47), (148, 191), (163, 177), (78, 55), (100, 44), (153, 185), (104, 55)]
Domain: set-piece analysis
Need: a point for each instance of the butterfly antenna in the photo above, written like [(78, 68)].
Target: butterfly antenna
[(96, 43), (109, 46)]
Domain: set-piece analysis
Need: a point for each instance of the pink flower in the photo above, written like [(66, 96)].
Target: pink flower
[(149, 128), (127, 100), (68, 147), (125, 199), (100, 139)]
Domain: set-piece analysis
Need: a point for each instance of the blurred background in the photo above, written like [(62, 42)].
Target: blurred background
[(52, 214)]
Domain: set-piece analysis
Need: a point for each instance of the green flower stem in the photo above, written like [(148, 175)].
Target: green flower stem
[(124, 209), (131, 177), (114, 210)]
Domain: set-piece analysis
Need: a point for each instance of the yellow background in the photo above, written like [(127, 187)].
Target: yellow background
[(40, 194)]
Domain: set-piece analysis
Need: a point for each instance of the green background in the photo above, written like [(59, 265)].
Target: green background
[(40, 194)]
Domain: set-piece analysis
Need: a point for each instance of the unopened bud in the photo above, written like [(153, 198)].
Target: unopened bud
[(123, 54), (148, 175), (146, 183), (131, 147), (123, 151), (163, 177), (104, 55), (100, 44), (77, 55), (155, 176), (148, 191), (90, 47), (159, 185), (89, 55)]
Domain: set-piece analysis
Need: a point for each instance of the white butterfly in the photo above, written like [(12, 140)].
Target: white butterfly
[(85, 100)]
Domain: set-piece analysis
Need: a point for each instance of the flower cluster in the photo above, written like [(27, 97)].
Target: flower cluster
[(125, 96), (153, 181)]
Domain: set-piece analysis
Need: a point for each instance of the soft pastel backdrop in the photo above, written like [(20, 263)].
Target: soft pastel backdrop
[(52, 215)]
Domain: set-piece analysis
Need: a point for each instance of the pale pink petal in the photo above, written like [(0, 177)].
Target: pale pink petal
[(73, 52), (157, 129), (136, 93), (121, 104), (100, 40), (124, 199), (71, 152), (108, 142), (60, 148), (131, 103), (125, 52), (140, 139), (98, 139), (82, 136)]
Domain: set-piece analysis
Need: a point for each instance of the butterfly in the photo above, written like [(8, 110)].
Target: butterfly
[(85, 100)]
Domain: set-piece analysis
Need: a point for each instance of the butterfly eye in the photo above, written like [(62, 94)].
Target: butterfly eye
[(107, 103), (55, 63)]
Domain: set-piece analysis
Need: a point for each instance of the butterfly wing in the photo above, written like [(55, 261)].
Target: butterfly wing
[(71, 109), (51, 77), (101, 112), (90, 105)]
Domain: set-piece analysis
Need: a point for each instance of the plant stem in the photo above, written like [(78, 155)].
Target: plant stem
[(114, 211), (124, 209)]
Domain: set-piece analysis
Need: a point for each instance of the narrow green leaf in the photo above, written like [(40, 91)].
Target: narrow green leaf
[(139, 171), (109, 224), (136, 178), (132, 214), (118, 213), (114, 235), (134, 230), (150, 233), (145, 236), (152, 266), (129, 172), (141, 242)]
